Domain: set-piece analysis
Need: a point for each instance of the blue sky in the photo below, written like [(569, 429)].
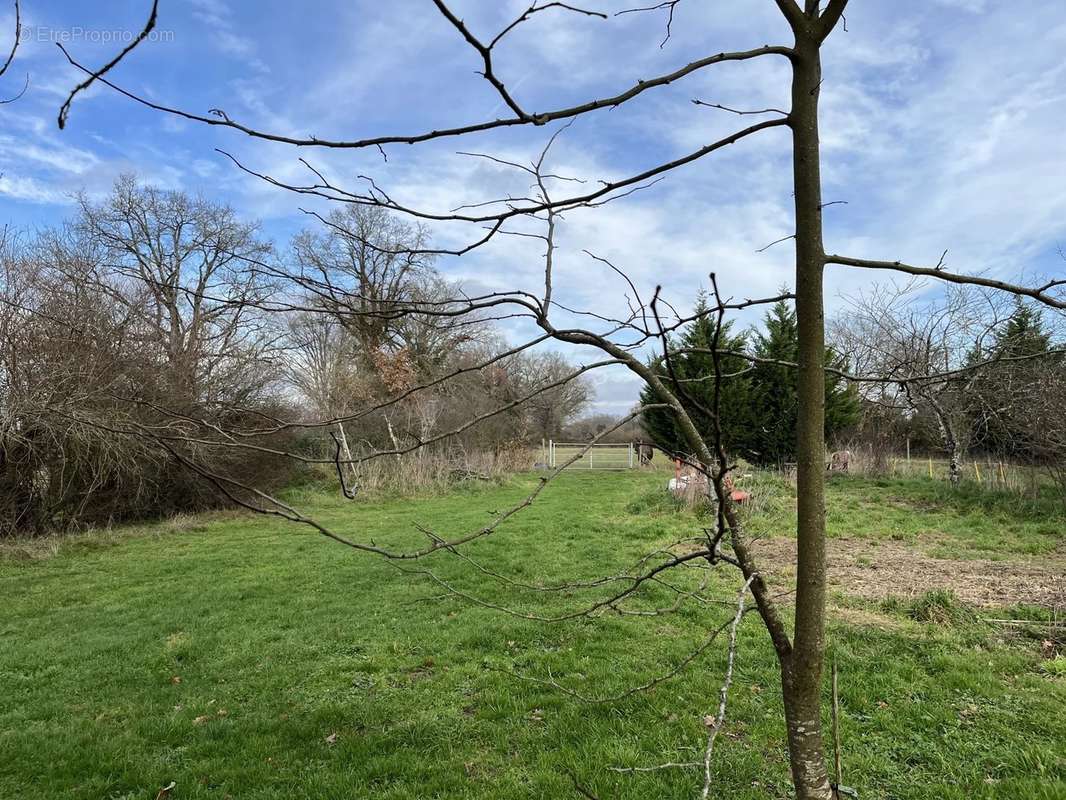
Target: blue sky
[(942, 128)]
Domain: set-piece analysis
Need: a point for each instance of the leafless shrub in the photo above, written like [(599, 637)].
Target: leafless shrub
[(131, 319), (434, 472)]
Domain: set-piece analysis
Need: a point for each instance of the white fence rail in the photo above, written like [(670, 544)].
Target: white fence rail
[(599, 456)]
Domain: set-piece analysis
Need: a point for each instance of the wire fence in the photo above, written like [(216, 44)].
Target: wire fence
[(981, 469)]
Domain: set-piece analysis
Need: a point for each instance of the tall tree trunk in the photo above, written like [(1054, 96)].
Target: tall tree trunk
[(346, 453), (392, 437), (801, 671), (948, 437)]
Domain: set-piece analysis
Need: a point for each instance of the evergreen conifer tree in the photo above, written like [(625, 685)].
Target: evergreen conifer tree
[(695, 373)]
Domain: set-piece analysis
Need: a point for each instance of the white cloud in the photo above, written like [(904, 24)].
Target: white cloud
[(30, 189), (61, 158)]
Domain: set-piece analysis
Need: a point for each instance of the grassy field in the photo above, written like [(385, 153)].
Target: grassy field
[(243, 657)]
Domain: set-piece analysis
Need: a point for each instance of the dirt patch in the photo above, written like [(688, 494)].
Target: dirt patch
[(879, 569)]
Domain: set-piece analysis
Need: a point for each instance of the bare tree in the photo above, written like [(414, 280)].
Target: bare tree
[(549, 411), (943, 358), (920, 351), (362, 267), (370, 273), (1021, 394), (179, 264), (322, 363)]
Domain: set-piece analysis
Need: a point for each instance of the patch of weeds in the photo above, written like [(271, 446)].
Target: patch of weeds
[(30, 549), (1054, 667), (655, 501), (184, 523), (941, 607)]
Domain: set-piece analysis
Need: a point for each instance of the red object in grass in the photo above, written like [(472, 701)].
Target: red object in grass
[(738, 496)]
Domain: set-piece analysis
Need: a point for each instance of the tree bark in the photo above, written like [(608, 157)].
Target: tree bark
[(801, 671)]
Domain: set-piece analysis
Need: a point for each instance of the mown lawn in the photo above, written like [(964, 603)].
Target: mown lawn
[(243, 657)]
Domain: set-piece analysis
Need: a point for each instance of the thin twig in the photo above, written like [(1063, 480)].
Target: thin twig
[(723, 693)]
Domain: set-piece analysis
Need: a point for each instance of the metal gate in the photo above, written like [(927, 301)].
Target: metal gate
[(598, 456)]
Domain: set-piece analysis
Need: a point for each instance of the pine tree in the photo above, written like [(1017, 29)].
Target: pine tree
[(1023, 335), (774, 386), (695, 373), (758, 408), (994, 428), (774, 393)]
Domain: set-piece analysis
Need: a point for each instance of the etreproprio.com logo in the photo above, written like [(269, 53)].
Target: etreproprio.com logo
[(43, 33)]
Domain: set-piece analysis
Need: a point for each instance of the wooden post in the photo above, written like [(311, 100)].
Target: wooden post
[(836, 726), (977, 471), (930, 466)]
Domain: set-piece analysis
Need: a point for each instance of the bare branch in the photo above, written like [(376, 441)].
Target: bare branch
[(533, 9), (328, 191), (1039, 293), (696, 101), (98, 75), (776, 241), (834, 12), (538, 118), (17, 40), (669, 5), (715, 724)]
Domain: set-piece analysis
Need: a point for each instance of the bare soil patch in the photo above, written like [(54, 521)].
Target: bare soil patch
[(876, 569)]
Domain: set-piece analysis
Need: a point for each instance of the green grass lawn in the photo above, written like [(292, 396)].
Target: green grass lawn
[(243, 657)]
